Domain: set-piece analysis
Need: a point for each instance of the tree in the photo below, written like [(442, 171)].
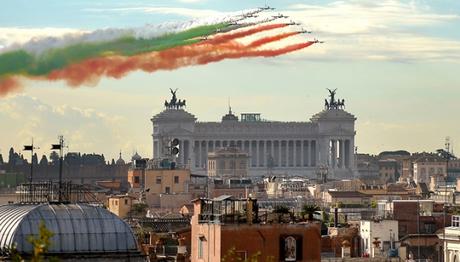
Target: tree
[(43, 161), (373, 204), (41, 243), (139, 209), (34, 159), (281, 210), (310, 211), (54, 158), (11, 156)]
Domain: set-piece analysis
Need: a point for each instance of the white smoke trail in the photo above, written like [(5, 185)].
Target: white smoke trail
[(65, 37)]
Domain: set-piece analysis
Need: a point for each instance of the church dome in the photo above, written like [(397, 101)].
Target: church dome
[(136, 156), (120, 161), (76, 228)]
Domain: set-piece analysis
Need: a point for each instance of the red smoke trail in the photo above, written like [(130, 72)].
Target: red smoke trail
[(270, 39), (206, 59), (232, 36), (89, 71), (116, 67), (8, 85)]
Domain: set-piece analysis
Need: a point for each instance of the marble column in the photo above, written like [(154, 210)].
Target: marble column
[(251, 155), (200, 154), (294, 153), (205, 157), (313, 153), (272, 150), (257, 154), (342, 153), (264, 155)]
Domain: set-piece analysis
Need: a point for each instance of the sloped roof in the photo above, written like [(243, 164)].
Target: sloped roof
[(77, 228), (347, 194)]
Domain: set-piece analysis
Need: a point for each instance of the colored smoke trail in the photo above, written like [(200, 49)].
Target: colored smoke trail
[(91, 70), (116, 67), (86, 64), (206, 59), (9, 85), (227, 37), (270, 39)]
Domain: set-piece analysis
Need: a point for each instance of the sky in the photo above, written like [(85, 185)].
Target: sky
[(395, 63)]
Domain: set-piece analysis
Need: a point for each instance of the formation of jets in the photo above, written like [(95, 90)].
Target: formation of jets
[(253, 14), (316, 41), (279, 15), (303, 31), (250, 15), (266, 7), (293, 23)]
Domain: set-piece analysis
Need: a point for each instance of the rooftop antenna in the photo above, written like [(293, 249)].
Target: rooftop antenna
[(229, 106), (60, 147), (31, 149)]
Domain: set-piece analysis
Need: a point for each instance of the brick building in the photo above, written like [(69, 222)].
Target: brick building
[(225, 226)]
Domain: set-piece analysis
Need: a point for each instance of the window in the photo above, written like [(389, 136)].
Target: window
[(136, 180), (167, 190), (116, 202), (402, 229), (456, 221), (158, 180), (176, 180), (126, 201), (200, 246), (222, 164)]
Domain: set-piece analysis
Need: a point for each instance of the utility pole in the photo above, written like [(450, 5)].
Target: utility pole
[(31, 149), (447, 148), (59, 147)]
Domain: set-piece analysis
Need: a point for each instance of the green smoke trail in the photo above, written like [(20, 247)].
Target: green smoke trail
[(20, 62)]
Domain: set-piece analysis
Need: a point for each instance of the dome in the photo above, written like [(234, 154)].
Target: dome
[(77, 228), (173, 115), (120, 161), (136, 156)]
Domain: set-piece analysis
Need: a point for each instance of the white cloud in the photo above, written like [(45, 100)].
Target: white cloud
[(17, 36), (84, 129), (186, 12), (375, 30)]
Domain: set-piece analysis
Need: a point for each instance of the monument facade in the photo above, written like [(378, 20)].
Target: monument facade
[(292, 148)]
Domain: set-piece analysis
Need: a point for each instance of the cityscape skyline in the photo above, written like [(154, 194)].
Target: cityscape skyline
[(387, 59)]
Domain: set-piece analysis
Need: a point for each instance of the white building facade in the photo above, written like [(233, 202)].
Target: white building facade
[(451, 241), (385, 231), (294, 148)]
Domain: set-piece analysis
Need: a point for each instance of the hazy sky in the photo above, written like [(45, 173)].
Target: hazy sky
[(396, 64)]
